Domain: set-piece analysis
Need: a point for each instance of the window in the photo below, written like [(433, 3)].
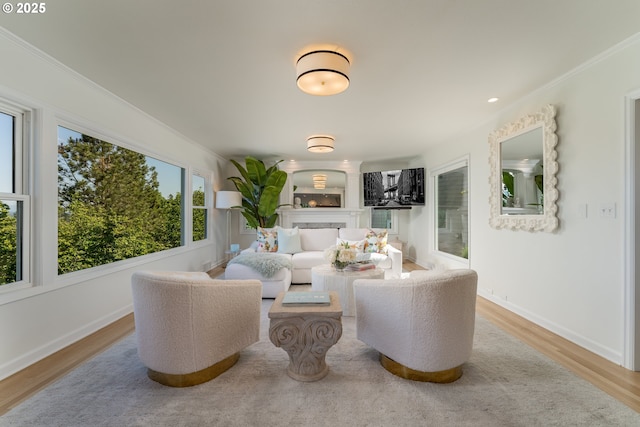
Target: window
[(451, 200), (113, 203), (199, 208), (385, 218), (14, 202)]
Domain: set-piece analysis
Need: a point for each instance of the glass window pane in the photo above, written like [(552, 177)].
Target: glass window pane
[(197, 189), (114, 203), (6, 153), (452, 208), (11, 220), (199, 224), (199, 215), (381, 218)]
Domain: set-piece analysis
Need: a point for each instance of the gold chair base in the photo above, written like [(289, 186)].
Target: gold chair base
[(194, 378), (446, 376)]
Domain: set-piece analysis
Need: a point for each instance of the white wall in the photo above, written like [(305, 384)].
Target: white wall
[(570, 281), (55, 312)]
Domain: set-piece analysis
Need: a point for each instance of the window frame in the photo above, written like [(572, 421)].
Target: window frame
[(206, 206), (458, 163), (22, 142)]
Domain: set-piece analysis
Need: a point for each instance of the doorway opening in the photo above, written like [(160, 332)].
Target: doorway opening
[(632, 228)]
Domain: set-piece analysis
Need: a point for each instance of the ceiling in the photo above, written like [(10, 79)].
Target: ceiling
[(222, 73)]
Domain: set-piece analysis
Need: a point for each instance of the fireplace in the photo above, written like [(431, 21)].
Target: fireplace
[(319, 224)]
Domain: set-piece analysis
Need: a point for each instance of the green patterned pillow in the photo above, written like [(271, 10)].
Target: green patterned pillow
[(267, 240), (375, 242)]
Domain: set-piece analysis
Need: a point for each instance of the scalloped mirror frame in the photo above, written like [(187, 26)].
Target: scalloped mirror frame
[(548, 221)]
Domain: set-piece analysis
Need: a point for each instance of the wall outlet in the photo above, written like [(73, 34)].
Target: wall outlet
[(607, 210)]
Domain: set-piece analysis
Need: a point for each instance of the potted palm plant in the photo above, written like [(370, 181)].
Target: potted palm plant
[(260, 188)]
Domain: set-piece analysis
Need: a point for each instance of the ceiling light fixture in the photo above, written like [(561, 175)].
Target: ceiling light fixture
[(323, 72), (491, 100), (320, 143)]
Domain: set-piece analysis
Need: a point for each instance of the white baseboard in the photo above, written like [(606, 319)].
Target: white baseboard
[(607, 353), (28, 359)]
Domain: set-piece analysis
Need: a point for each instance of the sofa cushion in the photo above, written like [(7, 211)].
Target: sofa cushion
[(288, 240), (244, 272), (317, 239), (267, 240), (308, 259), (353, 233)]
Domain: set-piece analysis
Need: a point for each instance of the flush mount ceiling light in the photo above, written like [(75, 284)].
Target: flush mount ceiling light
[(320, 144), (323, 72)]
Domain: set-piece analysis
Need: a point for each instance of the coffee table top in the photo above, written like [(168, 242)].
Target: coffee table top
[(334, 309), (327, 270)]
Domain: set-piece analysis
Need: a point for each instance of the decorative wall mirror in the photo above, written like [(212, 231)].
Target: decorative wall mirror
[(523, 166), (319, 188)]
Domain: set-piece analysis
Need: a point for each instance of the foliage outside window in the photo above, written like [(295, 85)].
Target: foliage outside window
[(14, 203), (199, 208), (452, 201), (113, 203)]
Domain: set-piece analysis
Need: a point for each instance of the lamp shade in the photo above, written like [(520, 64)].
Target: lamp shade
[(320, 144), (228, 199), (323, 72)]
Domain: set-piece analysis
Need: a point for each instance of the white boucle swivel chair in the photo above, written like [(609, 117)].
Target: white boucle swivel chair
[(190, 328), (422, 326)]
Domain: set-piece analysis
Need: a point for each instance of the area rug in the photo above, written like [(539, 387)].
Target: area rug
[(506, 383)]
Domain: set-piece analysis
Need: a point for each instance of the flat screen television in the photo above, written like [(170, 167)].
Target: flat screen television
[(394, 189)]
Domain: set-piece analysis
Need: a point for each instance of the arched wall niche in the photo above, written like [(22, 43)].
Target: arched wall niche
[(346, 216)]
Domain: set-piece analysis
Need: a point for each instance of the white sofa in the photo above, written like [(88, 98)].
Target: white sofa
[(310, 253)]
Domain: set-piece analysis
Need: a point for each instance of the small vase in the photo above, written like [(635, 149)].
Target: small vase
[(339, 266)]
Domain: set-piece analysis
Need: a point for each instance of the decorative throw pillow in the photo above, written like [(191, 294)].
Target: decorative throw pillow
[(375, 242), (288, 240), (267, 240), (358, 245)]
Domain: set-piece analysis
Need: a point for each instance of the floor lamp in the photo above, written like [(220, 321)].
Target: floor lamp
[(227, 200)]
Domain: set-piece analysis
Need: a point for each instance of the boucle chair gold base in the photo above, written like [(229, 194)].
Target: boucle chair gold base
[(446, 376), (194, 378)]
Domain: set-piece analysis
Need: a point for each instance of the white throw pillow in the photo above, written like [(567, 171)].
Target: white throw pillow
[(289, 240)]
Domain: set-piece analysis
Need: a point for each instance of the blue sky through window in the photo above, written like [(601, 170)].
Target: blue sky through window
[(169, 176), (6, 153)]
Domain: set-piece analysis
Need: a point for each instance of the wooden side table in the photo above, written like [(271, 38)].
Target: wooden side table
[(306, 334)]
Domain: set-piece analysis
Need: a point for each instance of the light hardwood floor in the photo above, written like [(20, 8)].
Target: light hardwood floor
[(620, 383)]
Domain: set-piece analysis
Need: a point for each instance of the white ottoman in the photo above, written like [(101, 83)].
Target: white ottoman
[(271, 286)]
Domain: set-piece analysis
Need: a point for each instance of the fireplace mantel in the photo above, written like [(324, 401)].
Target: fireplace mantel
[(291, 217)]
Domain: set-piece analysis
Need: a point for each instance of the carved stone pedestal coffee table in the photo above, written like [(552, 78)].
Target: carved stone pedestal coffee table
[(306, 334)]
